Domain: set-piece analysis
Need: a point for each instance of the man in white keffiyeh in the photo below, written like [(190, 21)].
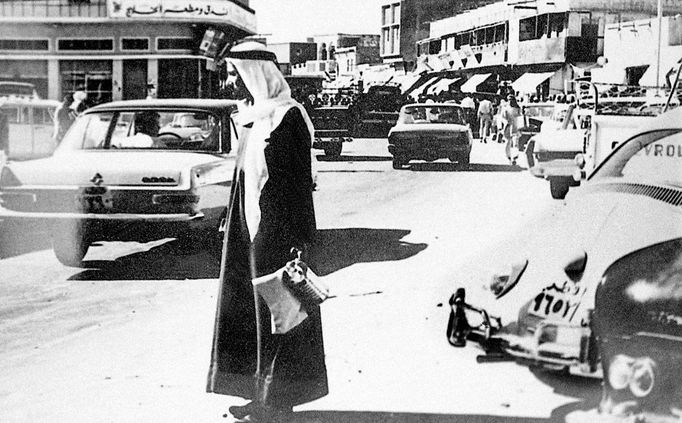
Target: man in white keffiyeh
[(271, 211)]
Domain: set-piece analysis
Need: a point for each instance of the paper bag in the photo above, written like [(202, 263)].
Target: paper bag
[(286, 311)]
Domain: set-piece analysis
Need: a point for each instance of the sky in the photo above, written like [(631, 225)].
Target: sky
[(294, 20)]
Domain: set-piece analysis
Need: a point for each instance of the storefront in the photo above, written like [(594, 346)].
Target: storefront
[(117, 49)]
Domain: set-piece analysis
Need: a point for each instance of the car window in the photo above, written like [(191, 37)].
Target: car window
[(144, 129), (431, 114), (655, 156)]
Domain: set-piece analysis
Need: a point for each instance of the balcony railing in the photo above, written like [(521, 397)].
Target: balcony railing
[(53, 8)]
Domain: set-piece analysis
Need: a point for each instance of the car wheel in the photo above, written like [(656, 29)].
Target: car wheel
[(464, 161), (69, 244), (398, 164), (559, 188), (529, 153), (334, 150)]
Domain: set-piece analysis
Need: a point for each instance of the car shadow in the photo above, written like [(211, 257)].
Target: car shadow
[(17, 238), (334, 249), (385, 417), (586, 390), (347, 158), (454, 167)]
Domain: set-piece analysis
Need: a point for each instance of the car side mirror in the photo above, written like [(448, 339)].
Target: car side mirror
[(579, 174)]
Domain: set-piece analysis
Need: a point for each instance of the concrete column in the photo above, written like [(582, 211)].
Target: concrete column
[(54, 80), (117, 80), (153, 74)]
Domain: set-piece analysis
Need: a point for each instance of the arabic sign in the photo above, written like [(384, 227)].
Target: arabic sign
[(204, 10)]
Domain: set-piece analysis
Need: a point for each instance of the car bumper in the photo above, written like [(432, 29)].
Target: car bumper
[(428, 153), (552, 168), (119, 217), (555, 346)]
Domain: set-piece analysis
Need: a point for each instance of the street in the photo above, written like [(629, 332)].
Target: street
[(128, 338)]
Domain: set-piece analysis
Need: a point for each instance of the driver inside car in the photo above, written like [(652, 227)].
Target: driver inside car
[(146, 126)]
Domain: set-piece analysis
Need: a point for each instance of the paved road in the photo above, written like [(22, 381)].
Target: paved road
[(128, 339)]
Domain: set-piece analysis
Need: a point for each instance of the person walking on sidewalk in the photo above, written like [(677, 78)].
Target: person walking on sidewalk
[(510, 115), (270, 211), (485, 118)]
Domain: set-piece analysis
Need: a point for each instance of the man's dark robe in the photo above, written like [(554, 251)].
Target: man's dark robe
[(242, 326)]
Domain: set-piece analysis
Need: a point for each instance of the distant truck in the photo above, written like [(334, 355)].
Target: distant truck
[(377, 110)]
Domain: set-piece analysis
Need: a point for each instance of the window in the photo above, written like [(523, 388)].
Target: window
[(24, 44), (134, 44), (527, 28), (174, 44), (82, 44), (386, 15), (542, 25)]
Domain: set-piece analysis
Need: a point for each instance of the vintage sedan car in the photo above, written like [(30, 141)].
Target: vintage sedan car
[(546, 301), (551, 153), (430, 132), (638, 326), (116, 177)]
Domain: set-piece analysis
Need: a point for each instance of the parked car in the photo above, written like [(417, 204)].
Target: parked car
[(546, 301), (114, 176), (533, 116), (554, 149), (30, 127), (430, 132)]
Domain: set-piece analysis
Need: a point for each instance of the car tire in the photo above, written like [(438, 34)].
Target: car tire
[(398, 164), (558, 188), (464, 161), (334, 150), (529, 153), (69, 244)]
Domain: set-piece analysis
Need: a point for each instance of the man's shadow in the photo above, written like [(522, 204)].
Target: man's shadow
[(335, 249)]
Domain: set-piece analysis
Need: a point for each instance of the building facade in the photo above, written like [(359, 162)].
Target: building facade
[(117, 49), (293, 54), (403, 22), (538, 44)]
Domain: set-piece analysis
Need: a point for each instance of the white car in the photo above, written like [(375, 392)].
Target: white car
[(116, 177), (631, 201)]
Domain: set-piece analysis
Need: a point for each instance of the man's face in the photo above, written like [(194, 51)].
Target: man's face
[(236, 85)]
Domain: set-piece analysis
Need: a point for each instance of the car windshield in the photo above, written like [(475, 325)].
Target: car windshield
[(653, 156), (540, 112), (431, 114), (144, 129)]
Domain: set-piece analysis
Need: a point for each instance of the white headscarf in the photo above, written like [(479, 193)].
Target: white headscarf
[(271, 101)]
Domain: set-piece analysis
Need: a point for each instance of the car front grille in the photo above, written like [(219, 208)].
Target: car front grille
[(546, 156)]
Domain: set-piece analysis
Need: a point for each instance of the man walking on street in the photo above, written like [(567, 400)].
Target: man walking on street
[(485, 118)]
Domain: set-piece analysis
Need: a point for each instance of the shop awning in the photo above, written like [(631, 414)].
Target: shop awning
[(472, 83), (669, 62), (442, 85), (528, 82), (419, 89), (405, 81)]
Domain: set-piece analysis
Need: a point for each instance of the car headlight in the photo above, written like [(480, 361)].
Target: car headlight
[(620, 372), (503, 283)]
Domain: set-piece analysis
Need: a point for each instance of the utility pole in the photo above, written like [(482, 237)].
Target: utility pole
[(658, 49)]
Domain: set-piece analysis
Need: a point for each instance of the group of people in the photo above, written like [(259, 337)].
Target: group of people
[(67, 111)]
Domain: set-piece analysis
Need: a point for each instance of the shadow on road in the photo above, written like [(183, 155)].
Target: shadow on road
[(336, 249), (167, 261), (587, 390), (454, 167), (343, 158), (17, 238), (386, 417)]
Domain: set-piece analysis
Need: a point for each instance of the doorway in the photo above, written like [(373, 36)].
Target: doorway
[(134, 79)]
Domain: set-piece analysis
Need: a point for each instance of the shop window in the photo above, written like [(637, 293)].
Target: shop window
[(83, 44), (24, 44), (135, 44), (527, 28), (557, 23), (91, 76), (175, 43)]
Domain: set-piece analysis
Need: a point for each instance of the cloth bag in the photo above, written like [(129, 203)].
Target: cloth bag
[(286, 311)]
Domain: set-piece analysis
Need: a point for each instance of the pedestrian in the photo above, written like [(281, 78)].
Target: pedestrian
[(63, 118), (78, 104), (270, 211), (469, 108), (485, 119), (510, 116)]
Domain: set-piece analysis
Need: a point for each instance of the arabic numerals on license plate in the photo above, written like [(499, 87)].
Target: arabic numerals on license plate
[(555, 304)]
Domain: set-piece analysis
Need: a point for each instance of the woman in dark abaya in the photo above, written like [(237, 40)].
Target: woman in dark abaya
[(270, 212)]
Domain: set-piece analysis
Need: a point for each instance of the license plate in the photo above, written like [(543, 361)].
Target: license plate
[(90, 203), (558, 302)]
